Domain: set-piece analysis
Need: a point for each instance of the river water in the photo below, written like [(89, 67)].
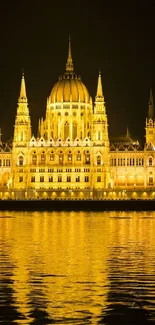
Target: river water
[(77, 268)]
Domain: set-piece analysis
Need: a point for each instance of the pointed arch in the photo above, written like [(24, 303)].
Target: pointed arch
[(66, 130), (150, 161), (74, 130), (21, 160), (99, 135)]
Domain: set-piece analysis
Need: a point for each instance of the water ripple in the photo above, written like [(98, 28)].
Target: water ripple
[(77, 268)]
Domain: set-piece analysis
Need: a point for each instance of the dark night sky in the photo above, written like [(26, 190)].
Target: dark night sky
[(117, 39)]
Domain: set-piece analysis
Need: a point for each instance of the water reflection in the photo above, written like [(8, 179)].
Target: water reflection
[(77, 268)]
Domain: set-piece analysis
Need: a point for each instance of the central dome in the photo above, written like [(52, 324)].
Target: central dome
[(69, 87)]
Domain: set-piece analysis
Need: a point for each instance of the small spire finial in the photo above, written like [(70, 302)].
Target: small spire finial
[(69, 64), (23, 89), (151, 106), (127, 132), (99, 93)]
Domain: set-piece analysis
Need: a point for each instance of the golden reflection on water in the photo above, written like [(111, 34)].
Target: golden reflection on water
[(61, 265)]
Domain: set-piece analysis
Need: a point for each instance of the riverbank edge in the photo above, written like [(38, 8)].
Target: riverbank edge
[(77, 205)]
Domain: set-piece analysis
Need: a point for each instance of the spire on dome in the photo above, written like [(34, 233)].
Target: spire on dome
[(99, 94), (23, 97), (151, 106), (69, 64)]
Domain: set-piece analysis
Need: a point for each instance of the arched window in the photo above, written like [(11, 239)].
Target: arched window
[(74, 130), (68, 178), (50, 179), (66, 130), (98, 160), (150, 161), (78, 156), (21, 136), (43, 157), (87, 158), (69, 156), (52, 156), (59, 178), (61, 158), (21, 161), (151, 181), (7, 162), (34, 158), (99, 135)]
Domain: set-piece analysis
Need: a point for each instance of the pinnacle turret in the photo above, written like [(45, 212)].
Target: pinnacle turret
[(151, 106), (69, 64), (22, 128)]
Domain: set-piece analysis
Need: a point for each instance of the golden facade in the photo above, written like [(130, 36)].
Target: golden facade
[(72, 156)]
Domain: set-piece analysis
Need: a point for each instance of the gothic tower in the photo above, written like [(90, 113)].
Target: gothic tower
[(22, 129), (150, 123), (100, 139), (100, 124), (22, 136)]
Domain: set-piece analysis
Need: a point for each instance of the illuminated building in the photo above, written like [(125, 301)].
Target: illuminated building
[(72, 156)]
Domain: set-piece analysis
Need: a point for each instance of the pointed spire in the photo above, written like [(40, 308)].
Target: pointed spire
[(127, 133), (69, 64), (99, 94), (38, 132), (23, 97), (151, 106)]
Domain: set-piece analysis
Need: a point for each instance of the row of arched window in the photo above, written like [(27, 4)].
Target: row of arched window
[(61, 178), (43, 158), (5, 162), (130, 161)]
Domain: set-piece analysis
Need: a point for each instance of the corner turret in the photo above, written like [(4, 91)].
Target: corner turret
[(151, 106), (100, 123), (150, 123), (21, 141), (22, 129)]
